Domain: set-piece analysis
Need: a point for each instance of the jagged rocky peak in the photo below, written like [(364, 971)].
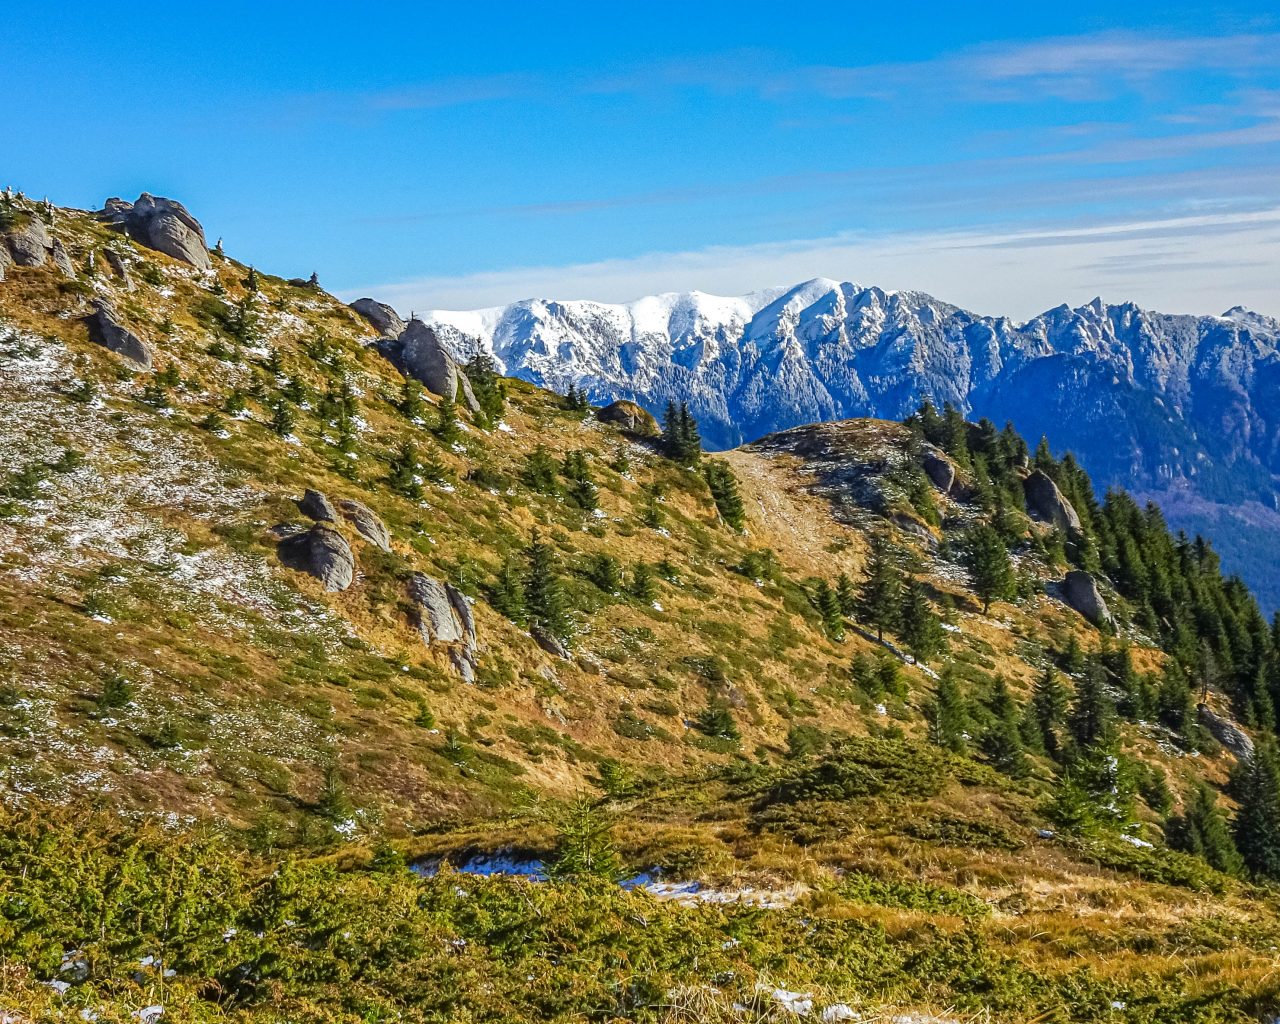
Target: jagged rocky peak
[(160, 224)]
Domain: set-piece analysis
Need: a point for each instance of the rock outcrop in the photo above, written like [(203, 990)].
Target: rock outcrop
[(1080, 591), (385, 320), (941, 471), (1226, 732), (630, 417), (62, 258), (550, 644), (29, 242), (367, 523), (317, 506), (426, 359), (119, 267), (6, 260), (106, 330), (324, 553), (160, 224), (444, 617), (1046, 503)]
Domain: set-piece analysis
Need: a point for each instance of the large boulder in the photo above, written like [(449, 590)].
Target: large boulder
[(426, 358), (630, 417), (1080, 591), (1226, 732), (1046, 503), (367, 523), (316, 505), (160, 224), (444, 617), (6, 260), (324, 553), (940, 470), (106, 330), (384, 319), (28, 242)]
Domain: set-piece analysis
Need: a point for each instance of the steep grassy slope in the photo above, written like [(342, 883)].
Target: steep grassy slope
[(159, 662)]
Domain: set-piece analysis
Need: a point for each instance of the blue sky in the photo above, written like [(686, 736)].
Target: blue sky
[(1003, 157)]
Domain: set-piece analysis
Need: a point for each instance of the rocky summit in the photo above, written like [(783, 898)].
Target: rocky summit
[(344, 678)]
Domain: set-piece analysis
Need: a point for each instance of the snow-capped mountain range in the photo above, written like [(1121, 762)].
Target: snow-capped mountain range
[(1185, 406)]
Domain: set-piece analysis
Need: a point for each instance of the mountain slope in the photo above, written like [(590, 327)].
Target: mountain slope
[(231, 710), (1154, 403)]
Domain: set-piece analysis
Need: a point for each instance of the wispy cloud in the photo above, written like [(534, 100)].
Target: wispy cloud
[(1015, 272)]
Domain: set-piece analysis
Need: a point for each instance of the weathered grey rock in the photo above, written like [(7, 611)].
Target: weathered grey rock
[(6, 260), (324, 553), (444, 617), (939, 470), (160, 224), (317, 506), (550, 644), (62, 258), (383, 317), (29, 244), (915, 528), (426, 358), (1226, 732), (630, 417), (1046, 503), (106, 330), (1080, 590), (119, 267), (367, 523)]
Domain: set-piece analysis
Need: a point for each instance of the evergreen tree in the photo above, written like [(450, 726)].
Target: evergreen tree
[(403, 474), (1001, 741), (681, 441), (584, 844), (947, 714), (1047, 713), (540, 471), (487, 386), (507, 592), (1256, 785), (1091, 719), (433, 467), (282, 418), (651, 512), (878, 602), (251, 282), (846, 595), (582, 490), (829, 608), (644, 586), (235, 403), (411, 405), (605, 572), (920, 630), (716, 721), (724, 491), (447, 430), (544, 600), (1202, 830), (987, 562)]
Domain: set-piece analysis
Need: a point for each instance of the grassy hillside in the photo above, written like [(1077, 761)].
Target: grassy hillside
[(214, 767)]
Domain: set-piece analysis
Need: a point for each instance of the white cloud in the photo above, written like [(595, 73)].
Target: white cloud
[(1193, 264)]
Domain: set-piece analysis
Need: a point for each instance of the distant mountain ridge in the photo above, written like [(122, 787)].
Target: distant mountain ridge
[(1154, 402)]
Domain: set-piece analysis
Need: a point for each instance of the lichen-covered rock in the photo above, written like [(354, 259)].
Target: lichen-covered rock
[(107, 331), (1080, 591), (1046, 503), (630, 417), (1226, 732), (29, 242), (367, 523), (384, 319), (444, 617), (550, 644), (324, 553), (317, 506), (160, 224), (426, 359)]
